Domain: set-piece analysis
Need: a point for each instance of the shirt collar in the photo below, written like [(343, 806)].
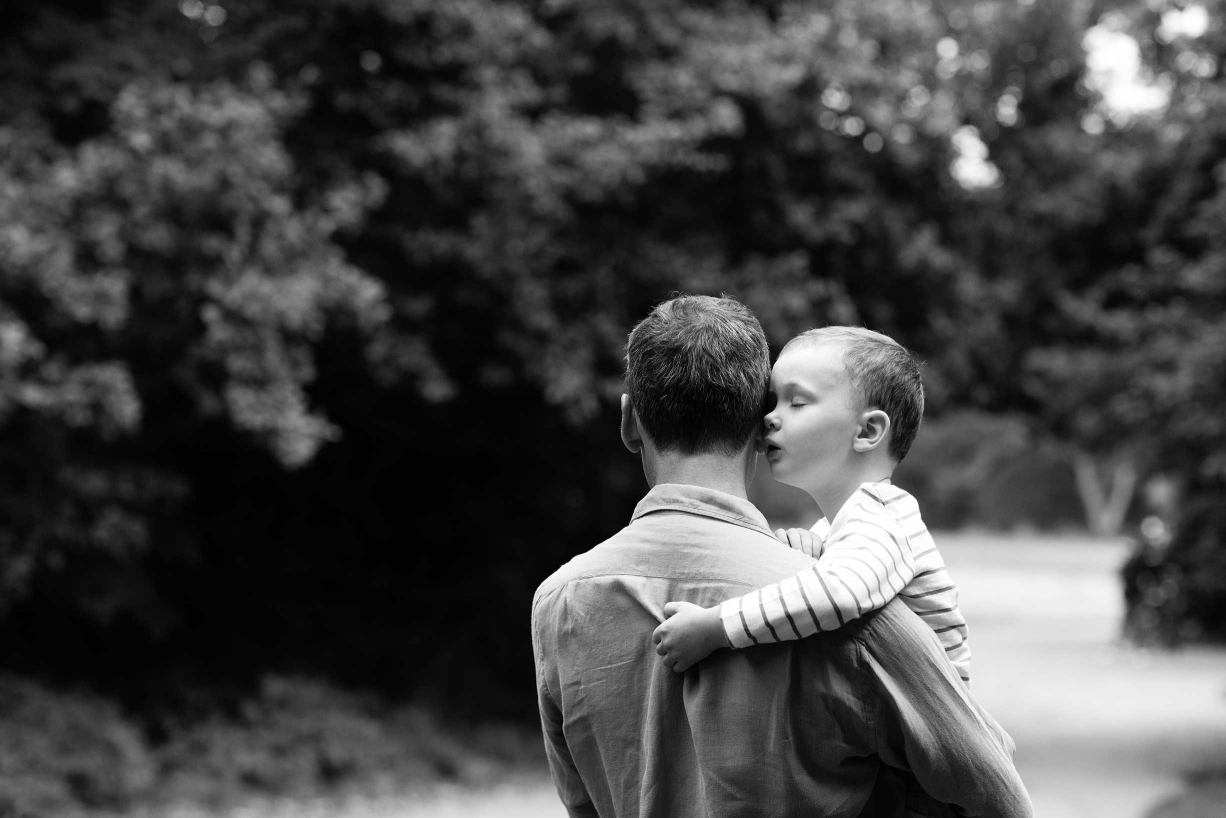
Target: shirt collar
[(845, 510), (703, 502)]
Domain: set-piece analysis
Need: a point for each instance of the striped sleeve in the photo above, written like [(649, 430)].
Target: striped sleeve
[(931, 592), (862, 568)]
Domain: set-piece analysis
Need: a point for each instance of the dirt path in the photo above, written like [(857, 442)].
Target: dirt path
[(1103, 730)]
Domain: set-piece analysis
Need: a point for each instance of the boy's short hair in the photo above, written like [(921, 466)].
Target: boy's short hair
[(883, 375), (697, 371)]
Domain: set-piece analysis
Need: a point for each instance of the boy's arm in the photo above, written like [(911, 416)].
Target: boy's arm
[(690, 634), (863, 566), (861, 569)]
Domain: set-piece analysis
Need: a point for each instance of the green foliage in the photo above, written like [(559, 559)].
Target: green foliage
[(1132, 362), (1131, 350), (1175, 581), (170, 259), (179, 232), (64, 753), (994, 471), (67, 755), (263, 267), (300, 737), (1201, 798)]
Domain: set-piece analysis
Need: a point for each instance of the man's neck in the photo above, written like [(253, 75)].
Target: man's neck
[(713, 471)]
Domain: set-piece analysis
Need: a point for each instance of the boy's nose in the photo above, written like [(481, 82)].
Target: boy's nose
[(772, 422)]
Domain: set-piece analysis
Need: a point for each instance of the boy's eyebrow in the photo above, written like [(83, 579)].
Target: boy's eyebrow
[(795, 386)]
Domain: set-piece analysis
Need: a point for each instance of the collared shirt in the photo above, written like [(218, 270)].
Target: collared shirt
[(837, 725), (877, 548)]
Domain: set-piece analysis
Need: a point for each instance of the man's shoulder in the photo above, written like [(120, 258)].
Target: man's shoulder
[(595, 561), (728, 554), (896, 631)]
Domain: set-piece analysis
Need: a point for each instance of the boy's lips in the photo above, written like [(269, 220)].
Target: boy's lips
[(772, 448)]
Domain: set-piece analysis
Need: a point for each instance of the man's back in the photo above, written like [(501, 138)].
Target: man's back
[(820, 726)]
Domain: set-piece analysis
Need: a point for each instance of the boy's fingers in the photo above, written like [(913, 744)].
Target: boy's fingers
[(656, 636), (661, 650), (800, 539), (781, 535), (671, 608)]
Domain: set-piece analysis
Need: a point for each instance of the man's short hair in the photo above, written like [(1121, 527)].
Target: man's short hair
[(697, 370), (883, 375)]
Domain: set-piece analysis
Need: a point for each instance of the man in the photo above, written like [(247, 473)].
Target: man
[(848, 723)]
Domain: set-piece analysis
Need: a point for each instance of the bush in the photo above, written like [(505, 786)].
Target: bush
[(68, 755), (1175, 580), (966, 468), (1203, 798), (64, 753), (300, 737), (970, 468), (295, 736)]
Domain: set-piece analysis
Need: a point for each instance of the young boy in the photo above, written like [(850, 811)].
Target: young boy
[(848, 404)]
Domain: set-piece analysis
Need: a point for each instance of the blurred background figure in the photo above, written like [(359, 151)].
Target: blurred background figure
[(307, 308)]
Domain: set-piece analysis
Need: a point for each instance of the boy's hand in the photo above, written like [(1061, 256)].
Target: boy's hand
[(688, 635), (800, 539)]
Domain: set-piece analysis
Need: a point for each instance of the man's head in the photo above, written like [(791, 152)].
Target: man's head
[(882, 375), (696, 374)]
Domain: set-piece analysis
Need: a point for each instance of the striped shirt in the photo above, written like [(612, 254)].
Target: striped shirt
[(877, 548)]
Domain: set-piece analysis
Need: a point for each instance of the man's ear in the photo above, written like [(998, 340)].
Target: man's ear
[(874, 429), (632, 437)]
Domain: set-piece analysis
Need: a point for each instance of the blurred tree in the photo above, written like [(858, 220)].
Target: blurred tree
[(1166, 315), (1058, 215), (313, 312), (156, 275)]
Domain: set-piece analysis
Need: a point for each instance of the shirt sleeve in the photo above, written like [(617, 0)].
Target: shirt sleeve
[(565, 774), (863, 566), (928, 723)]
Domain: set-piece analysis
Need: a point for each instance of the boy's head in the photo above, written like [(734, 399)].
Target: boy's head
[(881, 374), (696, 374)]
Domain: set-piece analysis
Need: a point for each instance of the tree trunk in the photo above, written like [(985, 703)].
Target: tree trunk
[(1105, 506)]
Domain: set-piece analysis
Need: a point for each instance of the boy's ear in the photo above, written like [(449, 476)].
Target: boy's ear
[(874, 429), (632, 436)]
